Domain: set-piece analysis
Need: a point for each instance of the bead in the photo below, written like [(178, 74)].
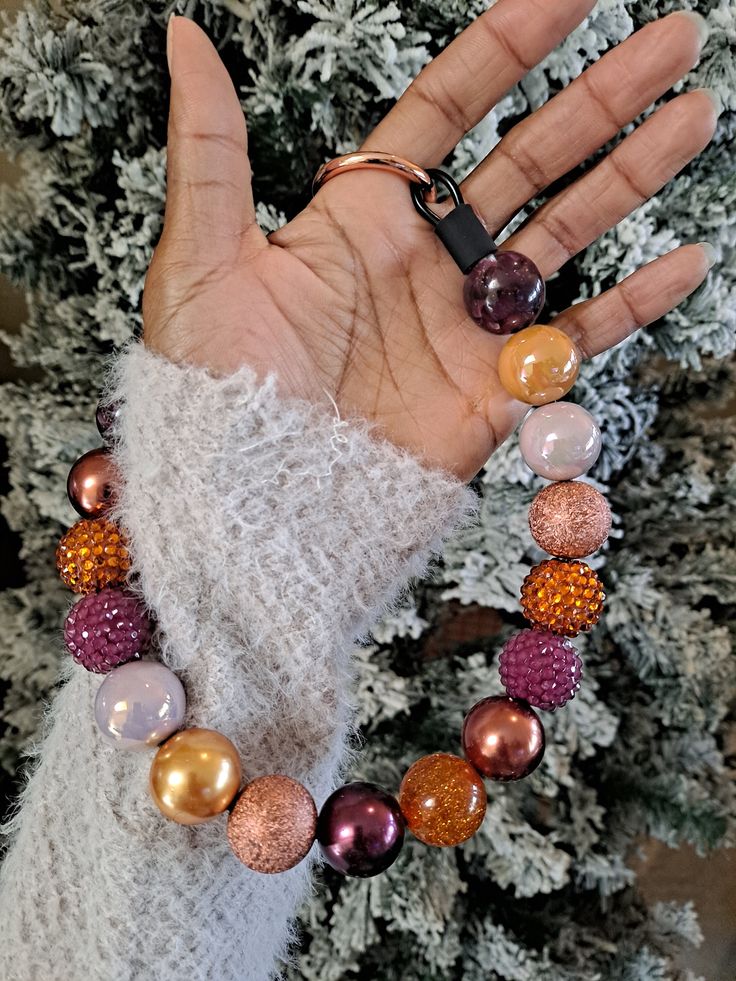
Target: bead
[(503, 738), (272, 826), (539, 365), (443, 799), (91, 484), (360, 830), (565, 597), (92, 555), (504, 292), (570, 519), (540, 668), (560, 441), (195, 775), (105, 629), (139, 704), (106, 416)]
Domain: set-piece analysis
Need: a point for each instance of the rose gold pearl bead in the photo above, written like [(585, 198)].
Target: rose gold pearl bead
[(195, 775), (91, 483), (503, 738), (273, 824)]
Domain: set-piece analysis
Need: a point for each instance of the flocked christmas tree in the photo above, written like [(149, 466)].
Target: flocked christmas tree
[(544, 891)]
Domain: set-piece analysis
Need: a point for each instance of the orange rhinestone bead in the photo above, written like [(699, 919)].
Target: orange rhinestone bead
[(443, 799), (93, 554), (565, 597), (538, 365)]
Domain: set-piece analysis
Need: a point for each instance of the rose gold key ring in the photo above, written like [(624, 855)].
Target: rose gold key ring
[(375, 160)]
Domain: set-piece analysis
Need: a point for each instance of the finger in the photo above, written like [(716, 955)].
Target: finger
[(635, 170), (462, 84), (582, 118), (208, 196), (648, 294)]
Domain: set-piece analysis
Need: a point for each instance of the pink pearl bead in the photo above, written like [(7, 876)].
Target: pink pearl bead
[(139, 705), (560, 441)]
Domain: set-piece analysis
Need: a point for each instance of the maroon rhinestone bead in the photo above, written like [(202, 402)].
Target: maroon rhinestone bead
[(106, 629), (540, 667)]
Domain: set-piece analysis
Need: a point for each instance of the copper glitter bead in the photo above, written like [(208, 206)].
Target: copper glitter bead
[(91, 484), (195, 775), (273, 824), (92, 555), (570, 519), (503, 738), (565, 597), (443, 799)]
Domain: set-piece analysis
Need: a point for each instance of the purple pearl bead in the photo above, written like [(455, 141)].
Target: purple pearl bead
[(504, 292), (140, 704), (106, 416), (106, 629), (360, 830)]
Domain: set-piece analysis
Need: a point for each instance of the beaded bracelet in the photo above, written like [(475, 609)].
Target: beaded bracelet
[(273, 822)]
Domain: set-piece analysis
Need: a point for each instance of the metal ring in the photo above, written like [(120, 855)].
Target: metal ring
[(420, 199), (375, 160)]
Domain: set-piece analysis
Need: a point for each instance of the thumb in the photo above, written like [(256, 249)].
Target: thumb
[(209, 201)]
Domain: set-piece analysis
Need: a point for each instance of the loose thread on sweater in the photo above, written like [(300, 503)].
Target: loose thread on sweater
[(337, 436)]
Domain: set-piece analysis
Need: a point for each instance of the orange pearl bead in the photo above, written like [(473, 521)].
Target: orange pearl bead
[(92, 555), (195, 775), (565, 597), (538, 365), (443, 799)]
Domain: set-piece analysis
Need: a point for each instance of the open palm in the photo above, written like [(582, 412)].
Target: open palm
[(355, 299)]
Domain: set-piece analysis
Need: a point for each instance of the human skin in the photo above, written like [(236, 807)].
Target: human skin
[(347, 303)]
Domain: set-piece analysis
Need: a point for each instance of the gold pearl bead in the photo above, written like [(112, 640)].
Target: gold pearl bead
[(538, 365), (195, 775)]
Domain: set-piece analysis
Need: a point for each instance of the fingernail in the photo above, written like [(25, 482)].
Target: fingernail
[(710, 253), (715, 99), (700, 22), (170, 40)]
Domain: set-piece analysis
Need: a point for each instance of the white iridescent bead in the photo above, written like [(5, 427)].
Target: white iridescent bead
[(560, 441)]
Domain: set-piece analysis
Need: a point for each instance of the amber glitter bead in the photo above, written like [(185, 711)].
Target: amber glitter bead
[(442, 799), (92, 555), (565, 597), (538, 365)]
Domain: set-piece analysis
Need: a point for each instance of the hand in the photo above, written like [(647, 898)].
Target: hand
[(355, 297)]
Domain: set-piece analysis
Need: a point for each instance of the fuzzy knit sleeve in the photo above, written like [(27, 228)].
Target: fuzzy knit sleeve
[(267, 536)]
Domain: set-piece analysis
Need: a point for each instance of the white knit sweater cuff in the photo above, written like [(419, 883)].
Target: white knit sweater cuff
[(268, 535)]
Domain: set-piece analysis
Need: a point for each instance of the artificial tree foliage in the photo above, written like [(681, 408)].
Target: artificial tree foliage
[(545, 892)]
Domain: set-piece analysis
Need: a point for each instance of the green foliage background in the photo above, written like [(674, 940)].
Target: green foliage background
[(543, 893)]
